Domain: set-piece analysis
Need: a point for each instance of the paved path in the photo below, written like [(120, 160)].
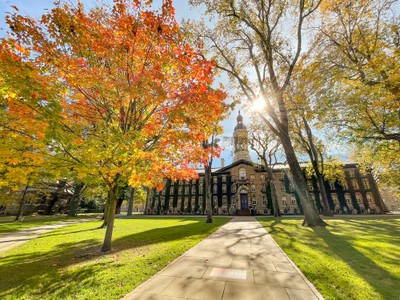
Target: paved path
[(16, 238), (239, 261)]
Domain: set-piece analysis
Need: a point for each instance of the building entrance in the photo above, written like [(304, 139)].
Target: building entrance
[(244, 199)]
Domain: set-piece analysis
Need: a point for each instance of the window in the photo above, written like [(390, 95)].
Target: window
[(215, 189), (233, 178), (171, 190), (186, 202), (233, 188), (224, 200), (293, 199), (284, 202), (355, 184), (332, 185), (224, 188), (223, 178), (253, 187), (351, 172), (201, 180), (254, 203), (335, 198), (345, 185), (201, 189), (262, 178), (283, 187), (215, 179), (347, 196), (242, 174), (186, 190), (215, 201), (264, 188), (359, 198), (366, 183), (251, 177), (162, 201), (265, 201), (310, 185), (200, 200), (282, 175), (370, 198), (291, 187), (180, 189)]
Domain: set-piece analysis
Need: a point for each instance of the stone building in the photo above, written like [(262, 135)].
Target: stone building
[(241, 188)]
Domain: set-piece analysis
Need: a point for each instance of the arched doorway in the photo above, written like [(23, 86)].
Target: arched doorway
[(244, 199)]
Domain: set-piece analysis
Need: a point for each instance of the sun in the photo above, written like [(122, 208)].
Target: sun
[(259, 104)]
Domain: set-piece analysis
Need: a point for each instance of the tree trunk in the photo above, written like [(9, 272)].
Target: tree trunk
[(275, 204), (105, 214), (21, 205), (73, 205), (316, 163), (207, 175), (130, 204), (311, 217), (325, 205), (110, 218), (120, 200)]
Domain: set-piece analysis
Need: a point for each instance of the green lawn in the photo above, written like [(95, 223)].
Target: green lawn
[(352, 258), (66, 263), (7, 224)]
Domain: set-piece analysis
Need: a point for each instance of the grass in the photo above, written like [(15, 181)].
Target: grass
[(352, 258), (7, 224), (66, 263)]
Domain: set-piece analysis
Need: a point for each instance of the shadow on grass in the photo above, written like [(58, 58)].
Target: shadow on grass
[(377, 277), (342, 241), (45, 272)]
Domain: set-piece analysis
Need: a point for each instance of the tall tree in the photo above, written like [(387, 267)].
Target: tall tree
[(265, 144), (359, 52), (128, 98), (251, 44)]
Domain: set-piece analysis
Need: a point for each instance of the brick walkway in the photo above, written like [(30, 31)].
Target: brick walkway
[(239, 261)]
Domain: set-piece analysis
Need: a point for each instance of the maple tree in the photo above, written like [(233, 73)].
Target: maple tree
[(250, 44), (123, 97)]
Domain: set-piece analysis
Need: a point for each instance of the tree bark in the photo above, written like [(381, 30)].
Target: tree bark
[(73, 205), (106, 247), (21, 205), (275, 204), (311, 217), (130, 203), (325, 205), (105, 214)]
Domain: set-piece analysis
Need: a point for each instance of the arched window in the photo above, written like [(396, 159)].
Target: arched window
[(243, 191), (242, 174)]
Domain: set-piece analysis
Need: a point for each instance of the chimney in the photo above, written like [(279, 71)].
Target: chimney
[(222, 162)]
